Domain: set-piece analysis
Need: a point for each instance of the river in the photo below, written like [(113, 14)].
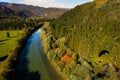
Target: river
[(33, 64)]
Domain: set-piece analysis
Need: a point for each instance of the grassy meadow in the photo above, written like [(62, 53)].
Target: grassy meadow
[(7, 43)]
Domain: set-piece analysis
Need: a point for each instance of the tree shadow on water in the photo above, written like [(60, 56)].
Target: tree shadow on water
[(33, 76), (28, 76), (23, 72)]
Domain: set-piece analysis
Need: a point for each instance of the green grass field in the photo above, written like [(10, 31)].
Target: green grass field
[(7, 43)]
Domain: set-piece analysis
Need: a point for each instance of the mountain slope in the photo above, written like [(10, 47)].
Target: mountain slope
[(33, 11), (90, 35), (4, 11)]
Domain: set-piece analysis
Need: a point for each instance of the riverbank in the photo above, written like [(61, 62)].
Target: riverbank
[(8, 67), (45, 38), (33, 64), (73, 65), (56, 69)]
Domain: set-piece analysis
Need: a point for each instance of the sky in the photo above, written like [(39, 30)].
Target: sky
[(50, 3)]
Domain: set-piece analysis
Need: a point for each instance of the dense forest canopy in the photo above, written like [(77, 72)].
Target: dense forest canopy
[(85, 41), (20, 23), (90, 29)]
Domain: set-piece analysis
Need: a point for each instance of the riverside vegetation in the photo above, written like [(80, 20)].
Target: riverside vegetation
[(84, 42), (8, 67)]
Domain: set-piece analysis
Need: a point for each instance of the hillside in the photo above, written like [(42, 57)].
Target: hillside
[(23, 10), (85, 42), (4, 11)]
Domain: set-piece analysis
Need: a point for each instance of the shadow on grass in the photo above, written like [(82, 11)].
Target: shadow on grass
[(8, 39), (4, 40), (3, 58), (2, 43), (13, 36)]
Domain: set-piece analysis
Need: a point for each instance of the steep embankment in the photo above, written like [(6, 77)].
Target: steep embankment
[(85, 41)]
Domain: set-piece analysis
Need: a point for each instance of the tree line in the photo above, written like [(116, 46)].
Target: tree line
[(19, 23)]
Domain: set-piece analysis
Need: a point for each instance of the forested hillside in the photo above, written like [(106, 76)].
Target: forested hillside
[(85, 42)]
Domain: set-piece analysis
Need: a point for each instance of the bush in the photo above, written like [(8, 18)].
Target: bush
[(54, 45), (8, 34)]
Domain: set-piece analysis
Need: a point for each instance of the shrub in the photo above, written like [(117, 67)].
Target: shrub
[(8, 34)]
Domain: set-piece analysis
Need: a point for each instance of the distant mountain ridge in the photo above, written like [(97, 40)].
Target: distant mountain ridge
[(5, 10), (23, 10)]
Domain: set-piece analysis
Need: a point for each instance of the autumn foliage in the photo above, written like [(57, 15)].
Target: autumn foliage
[(66, 58), (99, 2)]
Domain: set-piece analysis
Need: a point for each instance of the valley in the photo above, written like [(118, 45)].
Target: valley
[(81, 43)]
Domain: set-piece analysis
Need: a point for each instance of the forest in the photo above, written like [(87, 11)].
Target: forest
[(84, 43)]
